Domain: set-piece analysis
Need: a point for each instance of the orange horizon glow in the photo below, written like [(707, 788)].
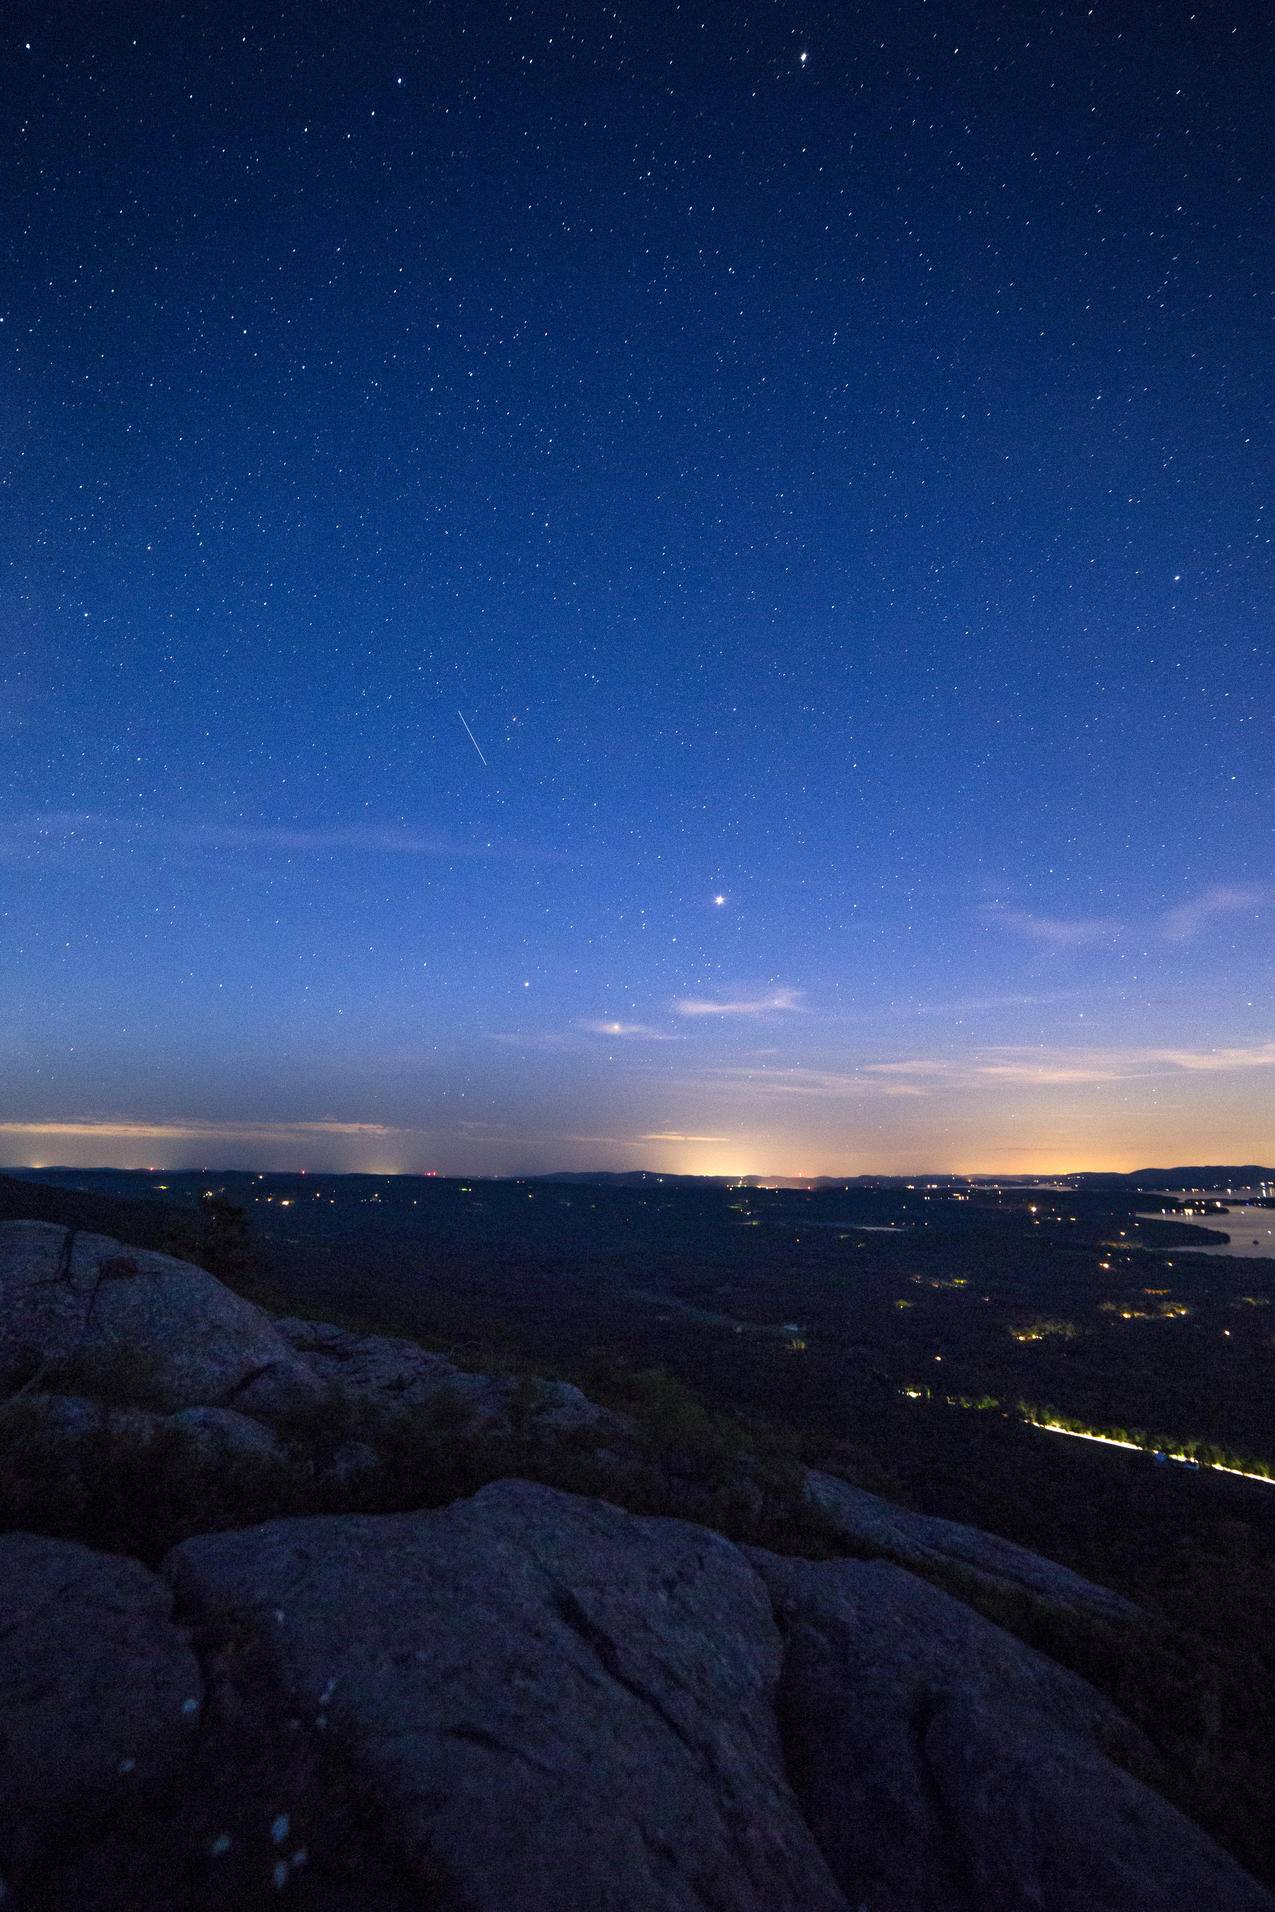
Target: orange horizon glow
[(377, 1149)]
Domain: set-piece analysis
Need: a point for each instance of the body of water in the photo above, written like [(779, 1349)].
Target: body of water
[(1249, 1231), (863, 1228)]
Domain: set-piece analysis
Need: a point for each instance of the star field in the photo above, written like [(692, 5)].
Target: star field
[(823, 456)]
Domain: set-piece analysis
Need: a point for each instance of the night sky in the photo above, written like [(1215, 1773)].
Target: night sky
[(819, 453)]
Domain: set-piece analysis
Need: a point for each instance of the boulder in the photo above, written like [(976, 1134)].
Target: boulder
[(549, 1703), (87, 1304), (67, 1425), (222, 1434), (375, 1365), (529, 1700), (99, 1692), (944, 1766), (64, 1423), (931, 1545), (391, 1375), (350, 1468), (558, 1407)]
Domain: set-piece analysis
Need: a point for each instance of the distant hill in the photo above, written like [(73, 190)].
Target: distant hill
[(624, 1178), (1213, 1175), (144, 1224), (24, 1197), (1216, 1175)]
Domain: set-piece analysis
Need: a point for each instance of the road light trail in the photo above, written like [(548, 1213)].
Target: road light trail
[(1169, 1453), (1109, 1440), (473, 740)]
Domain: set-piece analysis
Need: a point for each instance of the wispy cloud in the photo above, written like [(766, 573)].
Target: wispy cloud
[(985, 1069), (1070, 1067), (611, 1141), (596, 1026), (675, 1135), (1045, 1074), (922, 1066), (1188, 919), (1058, 932), (574, 1038), (66, 831), (125, 1128), (1259, 1055), (1178, 925), (819, 1084), (778, 1000)]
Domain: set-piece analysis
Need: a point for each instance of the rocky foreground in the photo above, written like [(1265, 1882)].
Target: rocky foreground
[(524, 1698)]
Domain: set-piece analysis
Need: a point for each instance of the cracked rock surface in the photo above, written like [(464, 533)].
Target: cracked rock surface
[(925, 1541), (557, 1705), (66, 1295), (944, 1766), (98, 1690), (394, 1375), (531, 1700), (523, 1700)]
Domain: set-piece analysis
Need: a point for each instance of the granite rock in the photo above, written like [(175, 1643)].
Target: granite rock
[(99, 1692), (925, 1543), (553, 1703), (944, 1766), (69, 1299)]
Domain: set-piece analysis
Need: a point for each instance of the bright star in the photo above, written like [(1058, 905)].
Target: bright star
[(719, 900)]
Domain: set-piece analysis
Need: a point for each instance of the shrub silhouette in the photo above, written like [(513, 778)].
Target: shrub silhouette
[(117, 1373)]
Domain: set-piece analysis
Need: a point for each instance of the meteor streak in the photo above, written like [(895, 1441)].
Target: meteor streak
[(473, 740)]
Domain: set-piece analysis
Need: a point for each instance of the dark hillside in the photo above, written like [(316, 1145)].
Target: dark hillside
[(143, 1224)]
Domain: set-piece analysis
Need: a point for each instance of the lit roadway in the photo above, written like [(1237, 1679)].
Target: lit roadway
[(1109, 1440)]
